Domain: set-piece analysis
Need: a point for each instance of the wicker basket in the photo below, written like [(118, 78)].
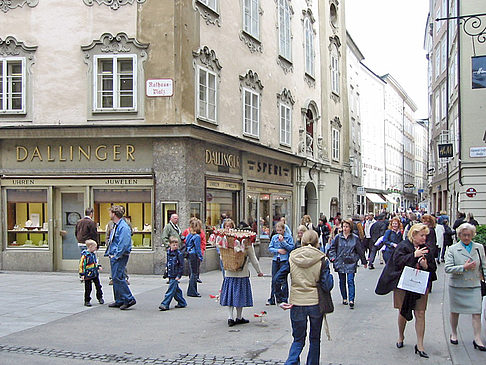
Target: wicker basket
[(232, 260)]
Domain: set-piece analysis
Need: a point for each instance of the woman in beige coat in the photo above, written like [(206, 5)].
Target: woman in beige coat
[(305, 272), (463, 263)]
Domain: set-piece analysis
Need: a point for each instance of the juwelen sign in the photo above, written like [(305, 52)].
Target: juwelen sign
[(471, 192)]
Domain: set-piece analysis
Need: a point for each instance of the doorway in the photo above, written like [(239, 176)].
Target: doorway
[(311, 201), (69, 209)]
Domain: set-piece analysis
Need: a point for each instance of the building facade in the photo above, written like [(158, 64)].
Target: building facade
[(456, 103), (146, 107)]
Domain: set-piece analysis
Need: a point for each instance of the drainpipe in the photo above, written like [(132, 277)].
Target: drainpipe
[(459, 104)]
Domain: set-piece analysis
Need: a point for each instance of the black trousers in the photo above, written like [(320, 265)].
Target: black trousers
[(88, 286)]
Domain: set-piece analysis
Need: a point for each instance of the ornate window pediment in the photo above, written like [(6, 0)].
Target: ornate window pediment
[(10, 47), (336, 122), (207, 58), (334, 40), (286, 97), (251, 81), (210, 15), (114, 4), (115, 44), (6, 5)]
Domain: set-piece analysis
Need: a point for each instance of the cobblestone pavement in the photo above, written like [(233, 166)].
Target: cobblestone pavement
[(186, 359)]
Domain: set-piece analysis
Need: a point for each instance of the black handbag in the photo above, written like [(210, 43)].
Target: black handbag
[(325, 300), (483, 280)]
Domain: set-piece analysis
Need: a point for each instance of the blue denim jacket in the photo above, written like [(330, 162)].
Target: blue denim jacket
[(175, 264), (121, 240), (275, 245), (193, 245)]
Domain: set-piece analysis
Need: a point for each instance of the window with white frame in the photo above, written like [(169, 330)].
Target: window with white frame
[(452, 75), (251, 18), (115, 83), (309, 47), (437, 62), (335, 85), (285, 124), (443, 55), (443, 97), (12, 85), (285, 45), (251, 112), (212, 4), (335, 144), (437, 107), (207, 95), (115, 66)]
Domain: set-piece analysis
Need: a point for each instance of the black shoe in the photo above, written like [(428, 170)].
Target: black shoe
[(438, 262), (163, 308), (231, 323), (128, 305), (421, 353), (371, 267), (399, 345), (114, 305), (478, 347), (454, 342), (241, 321), (351, 305), (101, 301), (270, 302), (168, 282), (199, 281), (197, 295), (180, 306), (442, 260), (345, 302), (87, 304)]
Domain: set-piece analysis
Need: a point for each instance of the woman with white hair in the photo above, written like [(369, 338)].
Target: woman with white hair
[(463, 262)]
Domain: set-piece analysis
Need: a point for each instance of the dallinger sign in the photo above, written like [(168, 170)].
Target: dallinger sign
[(71, 153), (222, 159)]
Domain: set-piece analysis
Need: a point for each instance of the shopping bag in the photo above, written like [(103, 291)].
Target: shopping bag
[(413, 280)]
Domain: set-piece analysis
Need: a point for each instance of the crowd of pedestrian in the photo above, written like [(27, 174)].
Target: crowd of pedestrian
[(405, 241)]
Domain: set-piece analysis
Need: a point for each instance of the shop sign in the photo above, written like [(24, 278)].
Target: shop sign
[(477, 152), (222, 185), (479, 72), (471, 192), (159, 87), (222, 159), (445, 150), (52, 153), (112, 182), (268, 170)]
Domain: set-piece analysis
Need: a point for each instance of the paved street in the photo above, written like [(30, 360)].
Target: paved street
[(43, 321)]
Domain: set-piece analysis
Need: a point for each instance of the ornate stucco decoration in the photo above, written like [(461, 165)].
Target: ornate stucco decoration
[(253, 44), (209, 15), (207, 57), (252, 81), (115, 44), (6, 5), (114, 4), (286, 97), (334, 40), (308, 13), (336, 122), (287, 67), (309, 80), (11, 47)]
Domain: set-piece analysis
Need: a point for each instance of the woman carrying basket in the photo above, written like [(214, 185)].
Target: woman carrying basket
[(236, 289)]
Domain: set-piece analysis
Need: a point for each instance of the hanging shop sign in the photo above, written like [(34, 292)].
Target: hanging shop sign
[(445, 150), (479, 72)]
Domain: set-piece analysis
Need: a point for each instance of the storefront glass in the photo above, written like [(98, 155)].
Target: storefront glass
[(252, 212), (220, 202), (281, 207), (138, 213), (27, 218), (264, 216)]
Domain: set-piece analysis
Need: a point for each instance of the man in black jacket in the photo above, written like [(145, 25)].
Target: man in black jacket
[(378, 229)]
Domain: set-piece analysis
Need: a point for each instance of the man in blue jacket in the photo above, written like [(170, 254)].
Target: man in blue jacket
[(119, 252)]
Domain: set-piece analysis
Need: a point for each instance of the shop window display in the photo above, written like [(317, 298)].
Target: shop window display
[(281, 208), (264, 219), (138, 214), (218, 203), (27, 218)]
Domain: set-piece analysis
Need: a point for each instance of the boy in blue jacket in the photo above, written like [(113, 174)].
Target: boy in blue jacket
[(280, 245), (174, 270), (89, 272)]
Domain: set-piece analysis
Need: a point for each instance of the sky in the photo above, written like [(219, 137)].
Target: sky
[(390, 35)]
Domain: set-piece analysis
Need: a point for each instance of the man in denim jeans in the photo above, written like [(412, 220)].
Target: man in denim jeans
[(119, 252)]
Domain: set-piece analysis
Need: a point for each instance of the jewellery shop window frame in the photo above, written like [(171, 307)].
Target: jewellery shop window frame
[(263, 228), (34, 226), (236, 195), (139, 209)]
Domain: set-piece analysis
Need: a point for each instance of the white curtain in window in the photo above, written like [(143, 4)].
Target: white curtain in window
[(284, 29), (309, 47), (285, 124)]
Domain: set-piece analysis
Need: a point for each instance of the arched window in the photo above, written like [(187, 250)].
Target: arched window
[(285, 48), (309, 47)]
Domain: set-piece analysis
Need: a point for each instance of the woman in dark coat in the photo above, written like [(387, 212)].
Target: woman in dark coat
[(392, 237), (344, 253), (411, 252)]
